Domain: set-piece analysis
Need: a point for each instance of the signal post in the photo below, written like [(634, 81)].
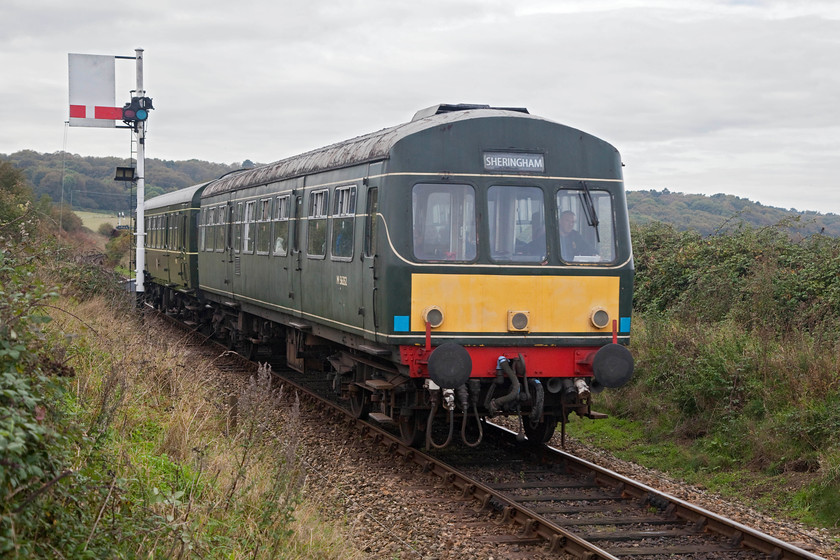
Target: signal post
[(92, 86)]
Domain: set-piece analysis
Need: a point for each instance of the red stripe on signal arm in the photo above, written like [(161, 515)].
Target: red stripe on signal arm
[(113, 113), (77, 111)]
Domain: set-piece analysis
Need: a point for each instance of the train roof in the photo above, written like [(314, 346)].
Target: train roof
[(367, 148), (181, 196)]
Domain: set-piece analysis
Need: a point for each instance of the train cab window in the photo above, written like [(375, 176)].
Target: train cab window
[(281, 225), (585, 229), (263, 226), (517, 224), (443, 222), (343, 218), (316, 225)]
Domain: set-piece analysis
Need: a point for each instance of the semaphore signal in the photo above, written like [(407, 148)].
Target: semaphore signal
[(92, 104)]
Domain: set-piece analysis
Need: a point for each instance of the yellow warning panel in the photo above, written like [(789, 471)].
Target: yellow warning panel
[(482, 303)]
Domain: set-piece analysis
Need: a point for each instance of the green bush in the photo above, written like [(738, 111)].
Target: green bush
[(32, 452), (735, 338), (105, 228)]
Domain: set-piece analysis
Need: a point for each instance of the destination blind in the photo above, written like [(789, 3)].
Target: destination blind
[(511, 161)]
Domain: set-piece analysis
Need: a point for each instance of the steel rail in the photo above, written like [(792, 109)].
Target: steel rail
[(532, 524)]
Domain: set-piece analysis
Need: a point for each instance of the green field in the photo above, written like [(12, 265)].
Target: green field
[(92, 220)]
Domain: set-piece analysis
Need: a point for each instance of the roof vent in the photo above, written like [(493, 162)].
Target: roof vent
[(450, 108)]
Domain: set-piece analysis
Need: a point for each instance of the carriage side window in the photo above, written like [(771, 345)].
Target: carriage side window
[(248, 227), (236, 220), (281, 225), (263, 226), (211, 233), (370, 222), (316, 226), (179, 231), (173, 231), (343, 218), (586, 229), (174, 219), (443, 221), (220, 228), (172, 237), (202, 229), (517, 224)]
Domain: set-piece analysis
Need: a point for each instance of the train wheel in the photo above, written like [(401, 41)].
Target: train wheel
[(248, 349), (358, 407), (542, 432), (412, 429)]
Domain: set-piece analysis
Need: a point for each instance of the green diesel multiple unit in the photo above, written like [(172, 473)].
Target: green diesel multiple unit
[(474, 259)]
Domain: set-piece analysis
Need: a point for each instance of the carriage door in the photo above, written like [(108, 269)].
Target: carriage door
[(295, 295), (184, 276), (369, 264), (227, 232)]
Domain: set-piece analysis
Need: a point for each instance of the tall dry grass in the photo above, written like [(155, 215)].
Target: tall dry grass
[(189, 463)]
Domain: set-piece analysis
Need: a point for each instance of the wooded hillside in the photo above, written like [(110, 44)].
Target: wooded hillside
[(89, 185), (708, 214), (89, 181)]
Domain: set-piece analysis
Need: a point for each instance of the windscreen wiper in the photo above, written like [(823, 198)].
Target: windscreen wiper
[(589, 209)]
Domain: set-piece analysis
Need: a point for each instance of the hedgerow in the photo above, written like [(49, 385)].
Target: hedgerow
[(736, 337)]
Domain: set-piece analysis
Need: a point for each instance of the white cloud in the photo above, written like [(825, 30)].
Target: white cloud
[(698, 95)]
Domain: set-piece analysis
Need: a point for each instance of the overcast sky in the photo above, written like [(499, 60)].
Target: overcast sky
[(699, 96)]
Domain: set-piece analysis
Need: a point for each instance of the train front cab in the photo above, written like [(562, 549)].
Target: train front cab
[(517, 286)]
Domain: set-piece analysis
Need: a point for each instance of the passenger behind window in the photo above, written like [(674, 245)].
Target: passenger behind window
[(343, 242), (572, 243)]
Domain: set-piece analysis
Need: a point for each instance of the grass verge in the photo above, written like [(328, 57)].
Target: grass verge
[(157, 462)]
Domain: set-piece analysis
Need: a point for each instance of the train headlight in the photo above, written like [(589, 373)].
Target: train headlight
[(600, 318), (433, 315), (519, 321)]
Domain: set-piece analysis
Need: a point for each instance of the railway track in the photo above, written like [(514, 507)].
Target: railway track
[(554, 499)]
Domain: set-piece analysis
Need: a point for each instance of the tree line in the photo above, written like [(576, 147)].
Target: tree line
[(88, 182), (89, 185)]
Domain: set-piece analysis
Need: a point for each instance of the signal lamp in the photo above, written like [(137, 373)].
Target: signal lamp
[(137, 110)]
